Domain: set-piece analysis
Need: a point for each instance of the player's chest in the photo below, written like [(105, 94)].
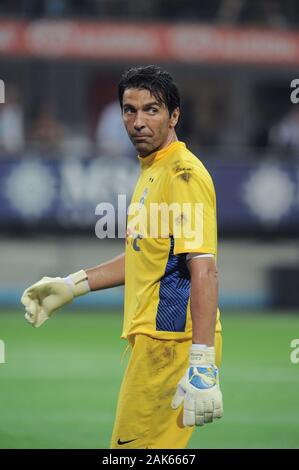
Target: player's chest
[(150, 188)]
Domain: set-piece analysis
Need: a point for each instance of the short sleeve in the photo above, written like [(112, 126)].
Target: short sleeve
[(192, 212)]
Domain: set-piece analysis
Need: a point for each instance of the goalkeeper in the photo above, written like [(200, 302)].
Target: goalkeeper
[(171, 318)]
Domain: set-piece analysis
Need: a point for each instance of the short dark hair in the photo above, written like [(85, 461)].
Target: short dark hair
[(154, 79)]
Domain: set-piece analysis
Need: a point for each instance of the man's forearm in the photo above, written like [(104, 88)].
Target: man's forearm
[(204, 300), (108, 274)]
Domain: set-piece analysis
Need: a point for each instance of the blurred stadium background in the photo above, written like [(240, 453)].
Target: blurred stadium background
[(63, 150)]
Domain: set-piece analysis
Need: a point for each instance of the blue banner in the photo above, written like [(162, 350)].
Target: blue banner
[(62, 195)]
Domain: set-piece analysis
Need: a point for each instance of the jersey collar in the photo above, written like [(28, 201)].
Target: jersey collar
[(152, 158)]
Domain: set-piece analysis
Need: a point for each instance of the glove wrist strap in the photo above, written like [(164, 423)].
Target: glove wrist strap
[(202, 356), (79, 283)]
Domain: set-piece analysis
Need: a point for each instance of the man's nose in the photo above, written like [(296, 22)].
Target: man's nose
[(138, 123)]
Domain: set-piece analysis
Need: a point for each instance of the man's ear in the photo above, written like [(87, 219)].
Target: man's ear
[(174, 118)]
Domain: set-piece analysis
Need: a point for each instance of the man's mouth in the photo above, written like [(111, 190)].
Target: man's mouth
[(140, 138)]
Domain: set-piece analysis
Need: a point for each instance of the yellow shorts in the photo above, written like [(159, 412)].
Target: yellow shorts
[(144, 417)]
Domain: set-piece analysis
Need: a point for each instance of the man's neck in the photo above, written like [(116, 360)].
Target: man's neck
[(172, 137)]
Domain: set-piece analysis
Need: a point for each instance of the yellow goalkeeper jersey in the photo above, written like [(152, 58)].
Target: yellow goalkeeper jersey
[(172, 213)]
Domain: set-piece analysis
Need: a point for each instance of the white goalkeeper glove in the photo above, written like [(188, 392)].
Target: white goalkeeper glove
[(199, 388), (50, 293)]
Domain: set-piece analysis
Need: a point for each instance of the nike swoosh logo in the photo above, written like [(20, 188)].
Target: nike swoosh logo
[(121, 443)]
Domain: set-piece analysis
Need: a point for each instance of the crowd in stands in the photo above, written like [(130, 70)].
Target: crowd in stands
[(45, 132), (274, 13), (206, 117)]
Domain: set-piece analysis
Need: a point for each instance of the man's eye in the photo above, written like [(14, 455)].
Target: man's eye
[(128, 110), (153, 110)]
